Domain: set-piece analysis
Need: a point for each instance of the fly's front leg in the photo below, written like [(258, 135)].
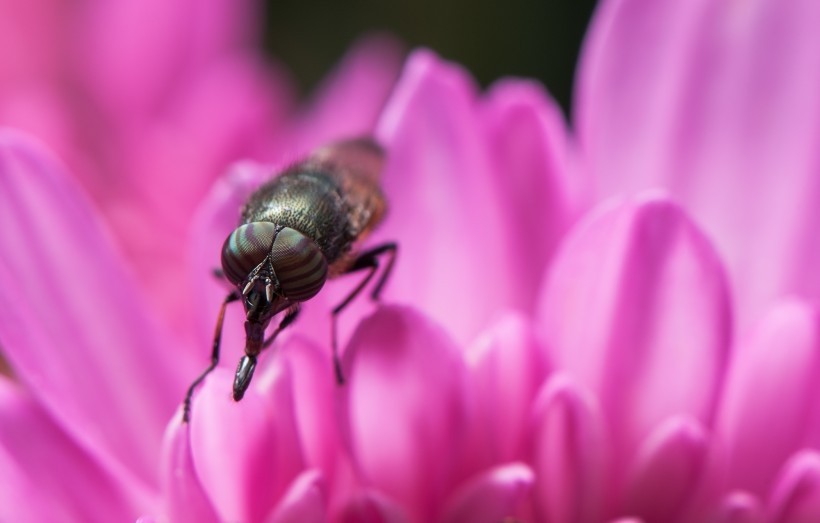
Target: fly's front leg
[(186, 410), (367, 260), (290, 317)]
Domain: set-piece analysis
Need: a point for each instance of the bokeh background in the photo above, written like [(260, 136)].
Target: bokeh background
[(531, 38)]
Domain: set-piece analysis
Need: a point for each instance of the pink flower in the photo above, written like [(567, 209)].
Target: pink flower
[(610, 325)]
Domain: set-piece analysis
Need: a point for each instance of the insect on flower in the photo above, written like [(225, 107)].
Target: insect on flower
[(295, 232)]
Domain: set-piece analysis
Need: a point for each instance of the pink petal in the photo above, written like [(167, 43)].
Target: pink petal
[(668, 471), (304, 502), (540, 190), (440, 161), (569, 454), (796, 495), (47, 476), (636, 309), (351, 98), (722, 110), (185, 498), (371, 507), (405, 401), (73, 324), (769, 406), (507, 367), (740, 507), (246, 453), (490, 497)]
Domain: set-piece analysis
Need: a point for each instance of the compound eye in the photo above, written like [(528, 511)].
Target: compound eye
[(299, 265), (245, 248)]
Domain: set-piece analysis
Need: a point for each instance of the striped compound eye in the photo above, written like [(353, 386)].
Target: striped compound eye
[(245, 248), (299, 265)]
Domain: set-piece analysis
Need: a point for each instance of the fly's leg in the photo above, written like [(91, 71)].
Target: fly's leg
[(367, 260), (186, 410), (290, 317)]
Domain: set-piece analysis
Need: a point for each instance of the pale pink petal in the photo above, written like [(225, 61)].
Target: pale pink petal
[(769, 406), (47, 476), (490, 497), (371, 507), (507, 368), (740, 507), (721, 108), (406, 412), (636, 309), (73, 324), (245, 453), (569, 455), (668, 471), (184, 497), (796, 495), (539, 189), (350, 99), (440, 182), (304, 502)]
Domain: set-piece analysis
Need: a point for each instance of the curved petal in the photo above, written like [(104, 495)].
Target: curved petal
[(185, 499), (406, 412), (72, 323), (569, 455), (769, 406), (636, 308), (668, 472), (438, 161), (740, 507), (245, 453), (46, 476), (507, 368), (722, 110), (796, 494), (304, 502), (371, 507), (490, 497)]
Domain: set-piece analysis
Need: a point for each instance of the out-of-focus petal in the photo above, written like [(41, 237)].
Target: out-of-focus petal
[(540, 190), (668, 471), (371, 507), (350, 99), (740, 507), (39, 461), (490, 497), (304, 502), (769, 406), (439, 162), (796, 495), (184, 498), (721, 109), (507, 368), (636, 308), (72, 323), (246, 453), (568, 461), (405, 406)]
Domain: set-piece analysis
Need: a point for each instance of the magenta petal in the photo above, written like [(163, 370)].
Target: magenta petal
[(246, 453), (507, 368), (636, 309), (185, 498), (740, 507), (440, 162), (304, 502), (722, 110), (669, 471), (568, 454), (72, 323), (490, 497), (405, 401), (371, 507), (46, 476), (769, 406), (796, 495)]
